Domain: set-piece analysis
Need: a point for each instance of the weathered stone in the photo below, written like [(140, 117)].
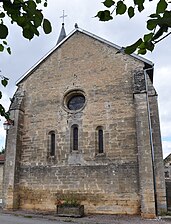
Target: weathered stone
[(117, 181)]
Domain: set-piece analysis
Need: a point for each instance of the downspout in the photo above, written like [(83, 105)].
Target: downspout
[(151, 135)]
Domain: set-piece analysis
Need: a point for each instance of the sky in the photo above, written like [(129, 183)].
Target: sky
[(121, 31)]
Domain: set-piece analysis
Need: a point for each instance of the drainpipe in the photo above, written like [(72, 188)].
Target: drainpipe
[(151, 135)]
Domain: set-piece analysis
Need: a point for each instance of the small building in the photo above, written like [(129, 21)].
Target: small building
[(167, 171), (167, 167), (83, 120)]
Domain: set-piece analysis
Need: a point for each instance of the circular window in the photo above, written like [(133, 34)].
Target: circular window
[(74, 101)]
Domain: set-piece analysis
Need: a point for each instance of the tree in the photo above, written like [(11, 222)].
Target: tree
[(2, 151), (158, 24), (27, 15)]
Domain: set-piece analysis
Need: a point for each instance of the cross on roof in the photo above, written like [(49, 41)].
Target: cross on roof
[(63, 16)]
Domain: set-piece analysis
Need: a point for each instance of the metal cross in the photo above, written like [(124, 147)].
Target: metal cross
[(63, 16)]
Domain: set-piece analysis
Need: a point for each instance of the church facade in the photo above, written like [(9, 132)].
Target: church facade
[(86, 124)]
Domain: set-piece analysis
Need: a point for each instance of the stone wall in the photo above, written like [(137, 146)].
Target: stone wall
[(117, 193), (1, 181), (168, 191), (105, 77)]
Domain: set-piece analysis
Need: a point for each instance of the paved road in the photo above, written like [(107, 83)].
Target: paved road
[(96, 219), (13, 219)]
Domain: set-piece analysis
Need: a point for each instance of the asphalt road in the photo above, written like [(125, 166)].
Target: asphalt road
[(96, 219), (13, 219)]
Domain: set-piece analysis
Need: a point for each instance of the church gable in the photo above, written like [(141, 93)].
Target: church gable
[(96, 38), (82, 128), (82, 65)]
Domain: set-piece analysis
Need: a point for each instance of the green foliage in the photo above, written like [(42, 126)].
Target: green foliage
[(3, 31), (121, 8), (25, 14), (67, 199), (108, 3), (46, 26), (158, 23), (4, 82), (104, 15), (131, 12), (2, 151)]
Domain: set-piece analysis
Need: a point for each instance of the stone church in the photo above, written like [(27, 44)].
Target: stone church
[(86, 124)]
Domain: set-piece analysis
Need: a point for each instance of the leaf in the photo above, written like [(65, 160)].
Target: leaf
[(121, 8), (165, 20), (4, 82), (38, 18), (4, 42), (2, 110), (161, 6), (136, 2), (22, 20), (32, 6), (142, 51), (148, 37), (151, 24), (38, 1), (149, 45), (9, 50), (131, 12), (130, 49), (140, 8), (140, 4), (34, 30), (3, 31), (0, 94), (1, 47), (3, 113), (108, 3), (154, 15), (47, 26), (28, 33), (104, 15), (2, 15)]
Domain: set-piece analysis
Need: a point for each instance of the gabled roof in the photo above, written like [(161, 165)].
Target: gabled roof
[(77, 29), (167, 159)]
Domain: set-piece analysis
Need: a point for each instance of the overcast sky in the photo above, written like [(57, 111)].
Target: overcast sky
[(121, 31)]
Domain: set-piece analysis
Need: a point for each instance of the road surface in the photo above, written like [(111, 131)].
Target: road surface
[(15, 218)]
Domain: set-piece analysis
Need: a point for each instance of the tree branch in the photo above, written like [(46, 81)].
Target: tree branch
[(155, 42)]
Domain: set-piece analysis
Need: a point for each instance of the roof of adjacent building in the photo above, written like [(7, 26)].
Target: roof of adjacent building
[(63, 38), (2, 158), (167, 159)]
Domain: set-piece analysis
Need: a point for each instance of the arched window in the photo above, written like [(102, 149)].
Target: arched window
[(100, 140), (52, 143), (74, 137)]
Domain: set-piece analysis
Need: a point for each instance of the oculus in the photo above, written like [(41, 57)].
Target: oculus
[(74, 101)]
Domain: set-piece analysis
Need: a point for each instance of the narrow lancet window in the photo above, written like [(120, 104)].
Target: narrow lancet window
[(100, 141), (52, 144), (75, 138)]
